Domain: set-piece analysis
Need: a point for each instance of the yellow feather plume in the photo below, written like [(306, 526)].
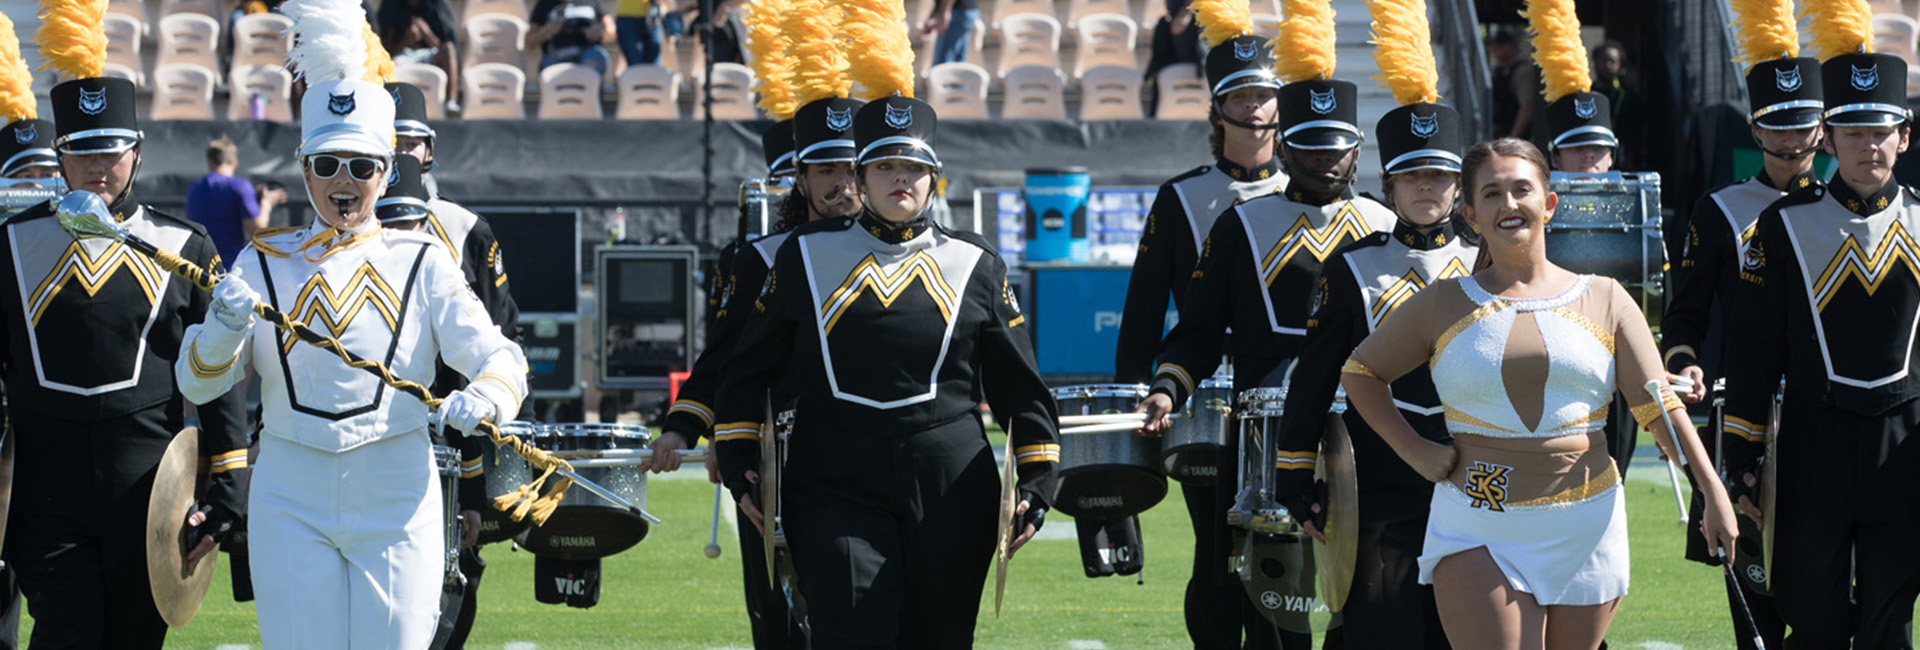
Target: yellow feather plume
[(72, 38), (1766, 30), (1838, 26), (820, 69), (16, 81), (880, 57), (1304, 49), (1222, 19), (1557, 48), (772, 68), (379, 64), (1403, 48)]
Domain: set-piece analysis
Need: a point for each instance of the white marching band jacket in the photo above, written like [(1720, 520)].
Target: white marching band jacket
[(394, 297)]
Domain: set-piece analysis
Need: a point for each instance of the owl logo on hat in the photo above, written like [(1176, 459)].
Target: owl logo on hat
[(899, 118), (1584, 108), (1245, 50), (840, 120), (26, 133), (1787, 80), (1865, 80), (93, 102), (1322, 103), (1426, 127), (338, 104)]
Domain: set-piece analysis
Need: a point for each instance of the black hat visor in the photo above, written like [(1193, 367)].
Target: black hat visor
[(1440, 159), (41, 157), (1867, 114), (1786, 116), (1322, 135), (899, 148), (97, 141), (400, 208), (1586, 136)]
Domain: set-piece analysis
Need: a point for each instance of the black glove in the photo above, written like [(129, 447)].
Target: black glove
[(1300, 493), (220, 524), (1736, 480), (1036, 513), (737, 457), (225, 506)]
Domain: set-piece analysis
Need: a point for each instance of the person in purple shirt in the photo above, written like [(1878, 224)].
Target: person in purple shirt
[(226, 204)]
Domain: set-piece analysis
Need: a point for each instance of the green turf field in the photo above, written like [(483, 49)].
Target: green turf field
[(666, 594)]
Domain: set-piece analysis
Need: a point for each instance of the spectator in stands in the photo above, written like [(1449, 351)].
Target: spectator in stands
[(1610, 79), (245, 7), (1176, 39), (227, 205), (639, 25), (728, 33), (570, 31), (953, 21), (423, 31), (1516, 84)]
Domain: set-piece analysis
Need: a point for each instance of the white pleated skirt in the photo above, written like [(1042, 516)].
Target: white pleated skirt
[(1563, 554)]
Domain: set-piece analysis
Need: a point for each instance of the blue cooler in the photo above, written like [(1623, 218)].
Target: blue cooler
[(1057, 215)]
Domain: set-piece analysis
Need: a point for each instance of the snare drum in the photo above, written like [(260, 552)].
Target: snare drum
[(504, 472), (1191, 451), (1254, 506), (1609, 224), (1112, 474), (587, 526)]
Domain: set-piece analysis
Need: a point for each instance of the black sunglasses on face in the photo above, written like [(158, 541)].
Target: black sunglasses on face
[(358, 168)]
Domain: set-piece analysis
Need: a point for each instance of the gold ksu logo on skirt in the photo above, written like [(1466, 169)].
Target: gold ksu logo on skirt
[(1487, 485)]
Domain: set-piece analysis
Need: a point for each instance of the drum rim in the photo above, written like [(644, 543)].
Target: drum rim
[(1087, 391), (592, 429)]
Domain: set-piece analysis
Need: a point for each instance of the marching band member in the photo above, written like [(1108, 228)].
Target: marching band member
[(890, 484), (1785, 102), (86, 359), (1420, 145), (368, 550), (1527, 536), (1829, 300), (1240, 78), (1258, 266)]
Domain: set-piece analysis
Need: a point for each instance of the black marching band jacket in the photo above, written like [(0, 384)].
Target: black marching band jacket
[(471, 241), (692, 410), (888, 331), (1706, 261)]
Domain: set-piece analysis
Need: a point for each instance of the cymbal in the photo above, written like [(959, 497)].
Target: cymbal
[(1336, 562), (178, 588), (769, 497), (1003, 544), (6, 481)]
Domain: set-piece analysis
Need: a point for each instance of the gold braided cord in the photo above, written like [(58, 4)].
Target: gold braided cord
[(772, 67), (1222, 20), (1557, 48), (16, 80), (73, 38), (820, 65), (327, 239), (1765, 30), (1304, 49), (528, 500), (879, 55), (1403, 49), (1838, 26)]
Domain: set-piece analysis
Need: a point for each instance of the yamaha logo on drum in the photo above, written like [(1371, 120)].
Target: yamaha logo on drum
[(1426, 127), (26, 133), (340, 104), (93, 102), (1584, 108), (1756, 574), (1322, 103), (900, 117), (1245, 50), (840, 120), (1865, 80), (1787, 80)]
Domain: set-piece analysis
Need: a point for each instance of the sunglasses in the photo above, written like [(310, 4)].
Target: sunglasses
[(359, 169)]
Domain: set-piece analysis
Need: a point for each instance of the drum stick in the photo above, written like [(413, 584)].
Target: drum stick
[(1101, 428), (1101, 418), (1740, 597), (695, 455), (713, 538), (1679, 458)]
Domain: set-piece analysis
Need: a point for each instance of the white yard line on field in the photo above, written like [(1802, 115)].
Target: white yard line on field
[(233, 646), (520, 645), (1661, 645), (1086, 644)]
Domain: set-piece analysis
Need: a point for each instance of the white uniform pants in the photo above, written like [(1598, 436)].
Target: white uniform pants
[(347, 548)]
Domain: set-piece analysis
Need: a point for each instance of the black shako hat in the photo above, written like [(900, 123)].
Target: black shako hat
[(1782, 94), (896, 128), (26, 143), (1865, 90), (1320, 114), (823, 130), (1580, 120), (95, 115), (406, 196), (409, 110), (1240, 61), (1420, 136), (776, 143)]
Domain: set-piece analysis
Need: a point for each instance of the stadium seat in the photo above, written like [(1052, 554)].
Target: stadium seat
[(1077, 9), (188, 38), (649, 92), (979, 40), (1895, 34), (1183, 93), (261, 39), (1104, 40), (1033, 92), (1003, 9), (732, 93), (1150, 14), (1029, 39), (1913, 82), (1110, 92), (123, 43), (515, 8), (570, 91), (121, 71), (208, 8), (496, 38), (494, 91), (135, 9), (182, 91), (432, 82), (271, 82), (958, 91)]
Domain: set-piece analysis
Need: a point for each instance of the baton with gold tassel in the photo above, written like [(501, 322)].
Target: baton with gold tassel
[(83, 214)]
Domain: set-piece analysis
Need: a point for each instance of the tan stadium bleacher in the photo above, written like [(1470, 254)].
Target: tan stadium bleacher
[(1067, 37)]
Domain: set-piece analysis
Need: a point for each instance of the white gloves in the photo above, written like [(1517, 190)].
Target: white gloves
[(465, 410), (233, 303)]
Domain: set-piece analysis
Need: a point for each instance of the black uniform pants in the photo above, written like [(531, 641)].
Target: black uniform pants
[(773, 627), (77, 532), (1844, 562), (892, 537), (1388, 608)]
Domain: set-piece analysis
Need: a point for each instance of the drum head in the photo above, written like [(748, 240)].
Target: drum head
[(1109, 491), (1278, 574), (585, 533)]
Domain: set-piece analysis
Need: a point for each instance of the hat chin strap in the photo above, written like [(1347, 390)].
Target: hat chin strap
[(1221, 112), (1793, 155)]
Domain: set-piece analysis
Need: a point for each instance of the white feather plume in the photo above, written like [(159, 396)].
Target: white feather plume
[(327, 43)]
